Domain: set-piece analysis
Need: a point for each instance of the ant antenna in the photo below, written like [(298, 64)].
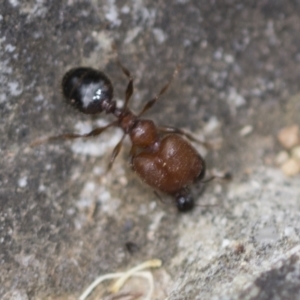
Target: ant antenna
[(168, 129), (115, 153), (129, 89), (224, 176), (151, 102)]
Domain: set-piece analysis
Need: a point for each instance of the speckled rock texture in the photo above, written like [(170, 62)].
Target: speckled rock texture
[(64, 221)]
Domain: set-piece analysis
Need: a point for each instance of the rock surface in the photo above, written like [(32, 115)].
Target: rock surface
[(63, 221)]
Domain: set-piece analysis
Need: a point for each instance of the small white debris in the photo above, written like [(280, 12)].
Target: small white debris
[(289, 136), (14, 3), (112, 14), (225, 243), (123, 180), (212, 124), (83, 127), (236, 99), (291, 167), (218, 54), (228, 58), (10, 48), (295, 153), (125, 9), (289, 231), (14, 88), (98, 171), (22, 182), (132, 34), (38, 98), (204, 44), (96, 147), (281, 158), (41, 188), (159, 35), (124, 276), (48, 167), (246, 130)]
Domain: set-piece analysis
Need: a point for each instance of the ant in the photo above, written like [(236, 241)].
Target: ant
[(161, 157)]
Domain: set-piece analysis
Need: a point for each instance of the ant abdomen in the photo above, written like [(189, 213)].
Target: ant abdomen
[(170, 167), (87, 89)]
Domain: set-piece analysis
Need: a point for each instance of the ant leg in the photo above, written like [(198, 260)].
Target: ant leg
[(151, 102), (129, 89), (159, 197), (70, 136), (132, 153), (189, 136), (115, 153), (215, 175)]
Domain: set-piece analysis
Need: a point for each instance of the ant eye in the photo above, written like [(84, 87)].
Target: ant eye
[(184, 203), (87, 89)]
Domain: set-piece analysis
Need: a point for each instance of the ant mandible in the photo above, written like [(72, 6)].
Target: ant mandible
[(159, 155)]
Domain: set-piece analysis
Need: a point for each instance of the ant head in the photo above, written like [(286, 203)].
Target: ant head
[(184, 202), (88, 90)]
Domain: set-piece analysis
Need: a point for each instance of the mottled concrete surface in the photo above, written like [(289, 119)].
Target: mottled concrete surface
[(240, 66)]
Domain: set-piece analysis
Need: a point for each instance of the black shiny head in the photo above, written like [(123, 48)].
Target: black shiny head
[(184, 202), (87, 89)]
